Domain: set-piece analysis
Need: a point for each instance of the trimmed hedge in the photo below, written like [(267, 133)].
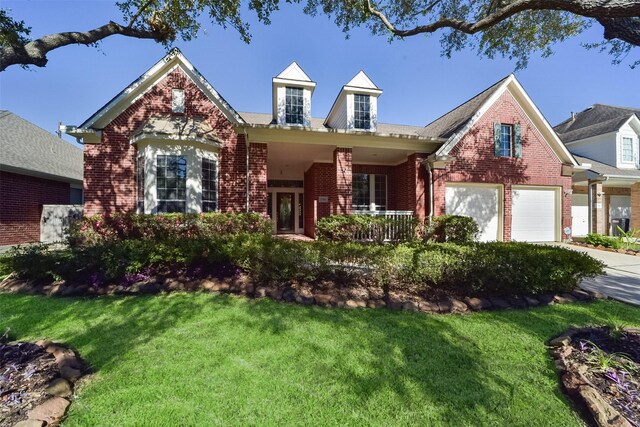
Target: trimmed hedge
[(427, 269), (451, 228), (95, 229)]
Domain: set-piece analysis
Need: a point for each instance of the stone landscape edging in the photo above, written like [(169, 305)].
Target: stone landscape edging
[(70, 368), (357, 297), (579, 388)]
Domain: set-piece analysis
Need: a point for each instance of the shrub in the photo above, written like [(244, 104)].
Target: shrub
[(345, 228), (494, 268), (101, 228), (451, 228), (596, 239), (37, 261), (429, 269)]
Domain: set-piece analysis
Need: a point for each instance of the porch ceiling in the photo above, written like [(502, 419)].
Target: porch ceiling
[(290, 161)]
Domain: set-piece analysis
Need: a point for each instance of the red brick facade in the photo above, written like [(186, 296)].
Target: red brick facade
[(258, 177), (110, 174), (21, 207), (475, 161), (109, 171), (341, 197), (319, 187)]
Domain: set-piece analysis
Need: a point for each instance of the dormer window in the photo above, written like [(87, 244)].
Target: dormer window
[(627, 149), (177, 100), (356, 107), (361, 112), (294, 106)]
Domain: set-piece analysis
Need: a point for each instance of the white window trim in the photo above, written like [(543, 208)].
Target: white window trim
[(373, 207), (633, 149), (177, 100), (194, 153)]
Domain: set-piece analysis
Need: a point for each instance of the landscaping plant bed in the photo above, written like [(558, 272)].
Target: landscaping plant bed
[(600, 370), (36, 382), (327, 293), (603, 248)]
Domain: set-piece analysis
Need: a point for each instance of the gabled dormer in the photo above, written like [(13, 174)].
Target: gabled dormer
[(356, 107), (292, 90)]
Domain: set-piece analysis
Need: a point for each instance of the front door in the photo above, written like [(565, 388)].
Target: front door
[(284, 204)]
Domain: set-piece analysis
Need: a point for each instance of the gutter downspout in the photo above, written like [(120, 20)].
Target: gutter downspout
[(431, 196), (590, 204), (248, 186)]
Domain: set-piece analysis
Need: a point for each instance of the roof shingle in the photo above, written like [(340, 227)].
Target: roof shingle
[(28, 147), (456, 119), (595, 120)]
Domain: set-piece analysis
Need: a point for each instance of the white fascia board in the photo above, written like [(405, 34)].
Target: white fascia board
[(295, 83), (338, 137), (634, 122), (545, 123), (82, 135), (362, 90), (515, 84), (456, 137), (146, 81)]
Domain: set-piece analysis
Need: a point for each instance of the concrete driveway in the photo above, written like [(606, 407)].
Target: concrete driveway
[(622, 280)]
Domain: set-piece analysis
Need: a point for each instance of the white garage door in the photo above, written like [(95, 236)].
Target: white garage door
[(579, 215), (533, 215), (479, 203)]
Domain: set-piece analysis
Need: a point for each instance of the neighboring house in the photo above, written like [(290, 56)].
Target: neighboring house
[(607, 193), (170, 143), (36, 169)]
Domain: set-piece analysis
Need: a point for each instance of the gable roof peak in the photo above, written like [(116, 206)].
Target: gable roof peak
[(294, 72), (361, 80), (174, 58)]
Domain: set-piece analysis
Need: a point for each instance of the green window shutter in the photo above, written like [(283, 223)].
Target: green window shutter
[(496, 138), (517, 141)]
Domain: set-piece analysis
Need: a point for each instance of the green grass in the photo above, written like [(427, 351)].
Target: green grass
[(199, 359)]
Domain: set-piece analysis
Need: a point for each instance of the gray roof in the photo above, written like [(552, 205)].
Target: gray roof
[(28, 148), (456, 119), (595, 120), (318, 123), (608, 170)]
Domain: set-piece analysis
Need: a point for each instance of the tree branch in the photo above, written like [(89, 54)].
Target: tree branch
[(608, 10), (625, 29), (35, 52), (140, 11)]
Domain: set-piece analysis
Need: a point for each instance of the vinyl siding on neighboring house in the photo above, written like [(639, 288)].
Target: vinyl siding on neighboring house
[(599, 147), (627, 131)]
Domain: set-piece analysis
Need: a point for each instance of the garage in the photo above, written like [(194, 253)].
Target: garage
[(535, 214), (579, 214), (480, 202)]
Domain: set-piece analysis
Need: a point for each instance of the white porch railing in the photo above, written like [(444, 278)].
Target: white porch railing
[(398, 226)]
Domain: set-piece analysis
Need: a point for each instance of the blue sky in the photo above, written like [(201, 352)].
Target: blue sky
[(418, 84)]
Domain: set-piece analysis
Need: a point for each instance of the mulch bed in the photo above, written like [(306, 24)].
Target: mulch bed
[(600, 369), (36, 382), (325, 293), (602, 248)]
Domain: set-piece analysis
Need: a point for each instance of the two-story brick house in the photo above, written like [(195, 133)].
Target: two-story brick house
[(170, 143), (606, 193)]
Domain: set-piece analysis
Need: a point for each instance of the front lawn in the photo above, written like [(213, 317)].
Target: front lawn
[(201, 359)]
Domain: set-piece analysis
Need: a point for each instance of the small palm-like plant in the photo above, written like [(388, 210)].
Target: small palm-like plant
[(628, 237)]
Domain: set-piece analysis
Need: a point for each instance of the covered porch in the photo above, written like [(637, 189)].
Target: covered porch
[(314, 177), (603, 198)]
